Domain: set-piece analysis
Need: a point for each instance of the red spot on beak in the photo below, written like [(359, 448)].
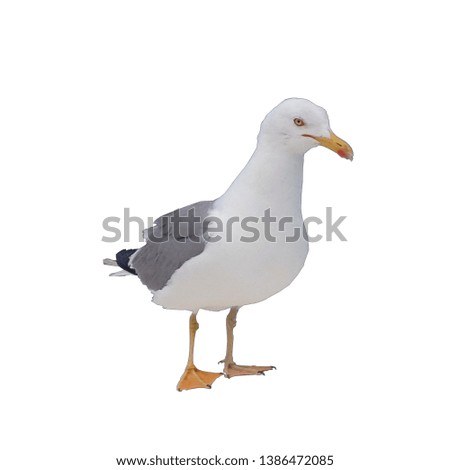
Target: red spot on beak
[(344, 154)]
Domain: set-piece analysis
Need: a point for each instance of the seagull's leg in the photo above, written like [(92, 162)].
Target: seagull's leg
[(231, 369), (193, 377)]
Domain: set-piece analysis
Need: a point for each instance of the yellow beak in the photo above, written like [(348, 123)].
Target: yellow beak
[(336, 144)]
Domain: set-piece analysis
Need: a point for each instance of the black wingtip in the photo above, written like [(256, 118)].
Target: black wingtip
[(123, 259)]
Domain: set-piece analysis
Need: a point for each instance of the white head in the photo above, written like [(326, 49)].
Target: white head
[(299, 125)]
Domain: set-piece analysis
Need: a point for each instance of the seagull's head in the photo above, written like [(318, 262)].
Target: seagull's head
[(299, 125)]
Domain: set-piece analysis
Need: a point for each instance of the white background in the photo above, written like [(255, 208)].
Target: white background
[(151, 106)]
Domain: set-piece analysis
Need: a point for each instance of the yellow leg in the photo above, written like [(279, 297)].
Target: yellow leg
[(193, 377), (231, 369)]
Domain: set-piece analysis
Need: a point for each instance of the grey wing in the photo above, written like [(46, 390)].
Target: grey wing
[(174, 239)]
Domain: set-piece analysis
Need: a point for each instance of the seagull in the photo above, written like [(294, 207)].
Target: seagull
[(243, 247)]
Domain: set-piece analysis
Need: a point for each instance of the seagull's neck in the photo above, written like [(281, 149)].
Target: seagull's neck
[(272, 179)]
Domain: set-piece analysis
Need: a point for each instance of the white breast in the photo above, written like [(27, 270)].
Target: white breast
[(237, 273), (233, 273)]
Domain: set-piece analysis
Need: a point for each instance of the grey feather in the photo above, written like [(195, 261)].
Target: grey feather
[(120, 274), (109, 262), (170, 243)]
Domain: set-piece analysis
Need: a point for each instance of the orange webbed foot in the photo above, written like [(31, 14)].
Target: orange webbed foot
[(196, 378)]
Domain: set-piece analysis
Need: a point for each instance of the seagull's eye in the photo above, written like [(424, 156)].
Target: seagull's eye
[(299, 122)]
